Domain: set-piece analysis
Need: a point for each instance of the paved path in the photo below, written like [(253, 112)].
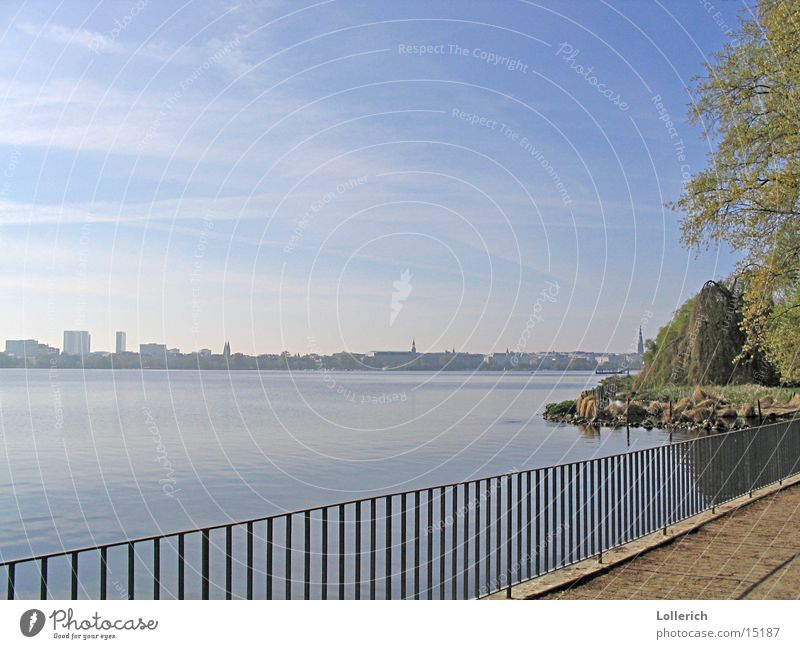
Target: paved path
[(752, 553)]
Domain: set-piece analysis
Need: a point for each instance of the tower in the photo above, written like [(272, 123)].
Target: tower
[(77, 343), (413, 345), (226, 349), (640, 346)]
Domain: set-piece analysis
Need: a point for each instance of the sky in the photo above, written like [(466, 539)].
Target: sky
[(328, 176)]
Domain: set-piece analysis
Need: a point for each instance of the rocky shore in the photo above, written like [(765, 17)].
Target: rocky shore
[(701, 411)]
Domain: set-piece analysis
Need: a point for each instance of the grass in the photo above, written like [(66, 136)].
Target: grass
[(737, 394)]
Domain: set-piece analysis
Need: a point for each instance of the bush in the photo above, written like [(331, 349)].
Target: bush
[(561, 408)]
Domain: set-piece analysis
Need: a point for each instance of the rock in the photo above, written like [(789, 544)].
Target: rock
[(767, 401), (747, 412), (636, 411), (680, 406), (698, 395), (701, 414), (727, 413)]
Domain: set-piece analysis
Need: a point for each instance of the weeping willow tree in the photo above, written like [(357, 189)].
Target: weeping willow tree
[(703, 344), (749, 195)]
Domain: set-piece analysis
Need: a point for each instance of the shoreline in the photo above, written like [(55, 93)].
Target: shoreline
[(702, 411)]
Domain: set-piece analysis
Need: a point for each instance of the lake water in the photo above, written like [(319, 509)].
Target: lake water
[(95, 456)]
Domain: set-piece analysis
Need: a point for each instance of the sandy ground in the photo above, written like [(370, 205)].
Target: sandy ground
[(752, 553)]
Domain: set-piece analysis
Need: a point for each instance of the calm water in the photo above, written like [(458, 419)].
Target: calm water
[(89, 457)]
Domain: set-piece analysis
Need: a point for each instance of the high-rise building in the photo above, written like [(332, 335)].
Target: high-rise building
[(21, 348), (121, 343), (153, 349), (28, 348), (77, 343)]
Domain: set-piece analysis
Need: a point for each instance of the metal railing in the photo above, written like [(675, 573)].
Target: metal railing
[(459, 540)]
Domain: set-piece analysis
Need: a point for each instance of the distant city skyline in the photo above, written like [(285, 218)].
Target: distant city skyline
[(350, 175), (78, 342)]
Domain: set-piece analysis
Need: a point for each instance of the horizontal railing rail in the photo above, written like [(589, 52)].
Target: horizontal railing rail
[(452, 541)]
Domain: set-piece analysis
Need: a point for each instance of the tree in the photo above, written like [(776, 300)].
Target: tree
[(783, 336), (749, 195), (702, 344)]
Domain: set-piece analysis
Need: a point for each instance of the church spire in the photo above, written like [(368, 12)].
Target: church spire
[(640, 346), (413, 345)]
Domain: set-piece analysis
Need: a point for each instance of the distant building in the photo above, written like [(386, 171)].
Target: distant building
[(390, 359), (152, 349), (499, 360), (205, 353), (640, 346), (77, 343), (21, 348), (28, 348), (121, 347), (226, 349)]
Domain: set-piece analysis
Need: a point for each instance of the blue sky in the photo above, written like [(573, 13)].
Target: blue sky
[(265, 172)]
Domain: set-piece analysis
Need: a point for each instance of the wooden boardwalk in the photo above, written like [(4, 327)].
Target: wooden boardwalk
[(751, 553)]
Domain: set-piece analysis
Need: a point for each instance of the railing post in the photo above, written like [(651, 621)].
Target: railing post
[(342, 523), (508, 536), (628, 414), (249, 560), (748, 451), (665, 482), (181, 565), (269, 559), (714, 486), (229, 562), (156, 569), (103, 572), (10, 580), (132, 572), (73, 590), (43, 578), (602, 505), (204, 559), (307, 554), (287, 566)]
